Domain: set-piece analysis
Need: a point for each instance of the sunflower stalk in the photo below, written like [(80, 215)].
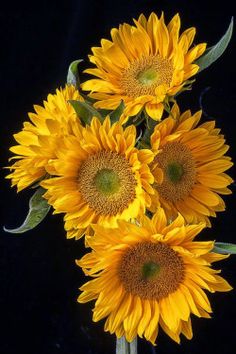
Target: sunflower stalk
[(124, 347)]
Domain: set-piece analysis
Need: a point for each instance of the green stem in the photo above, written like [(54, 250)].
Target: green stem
[(123, 347)]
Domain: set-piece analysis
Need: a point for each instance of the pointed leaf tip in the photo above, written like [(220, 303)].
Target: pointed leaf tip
[(38, 209), (73, 73), (213, 53), (224, 248)]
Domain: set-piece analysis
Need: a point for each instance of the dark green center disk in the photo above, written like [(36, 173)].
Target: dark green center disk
[(148, 77), (174, 172), (107, 181), (150, 270)]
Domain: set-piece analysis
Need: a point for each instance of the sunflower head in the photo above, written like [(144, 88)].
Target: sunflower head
[(143, 65), (39, 138), (100, 177), (189, 167), (150, 275)]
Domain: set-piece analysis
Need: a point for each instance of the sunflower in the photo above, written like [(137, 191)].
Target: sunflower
[(39, 138), (143, 65), (149, 275), (100, 177), (189, 167)]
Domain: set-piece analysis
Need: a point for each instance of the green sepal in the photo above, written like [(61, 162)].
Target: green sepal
[(214, 52), (73, 73), (85, 111), (38, 209), (115, 115), (224, 248)]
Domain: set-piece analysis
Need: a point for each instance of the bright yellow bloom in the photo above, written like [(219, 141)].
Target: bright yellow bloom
[(39, 138), (149, 275), (102, 177), (143, 65), (189, 167)]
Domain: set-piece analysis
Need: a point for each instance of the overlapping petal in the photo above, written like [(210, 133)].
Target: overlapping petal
[(97, 145), (39, 138), (199, 150), (129, 314), (143, 65)]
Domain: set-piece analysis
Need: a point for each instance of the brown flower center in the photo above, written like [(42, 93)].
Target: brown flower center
[(145, 74), (107, 183), (178, 166), (151, 270)]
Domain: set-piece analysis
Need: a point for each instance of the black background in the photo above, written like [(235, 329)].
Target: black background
[(39, 279)]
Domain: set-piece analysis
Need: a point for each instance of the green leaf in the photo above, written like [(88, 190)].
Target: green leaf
[(73, 73), (214, 52), (224, 248), (38, 209), (85, 111), (115, 115)]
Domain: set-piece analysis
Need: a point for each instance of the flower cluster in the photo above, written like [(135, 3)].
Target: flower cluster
[(139, 181)]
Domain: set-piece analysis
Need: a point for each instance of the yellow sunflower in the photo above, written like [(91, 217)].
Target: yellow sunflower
[(189, 167), (101, 177), (149, 275), (39, 138), (143, 65)]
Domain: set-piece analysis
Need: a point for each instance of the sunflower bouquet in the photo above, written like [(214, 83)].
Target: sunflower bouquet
[(135, 176)]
